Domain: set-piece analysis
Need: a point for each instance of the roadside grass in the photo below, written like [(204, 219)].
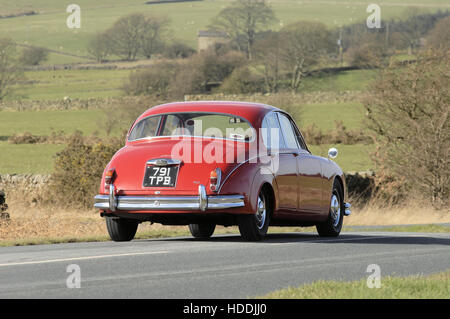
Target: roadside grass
[(141, 235), (32, 224), (434, 286), (147, 231), (430, 228), (48, 28), (412, 213)]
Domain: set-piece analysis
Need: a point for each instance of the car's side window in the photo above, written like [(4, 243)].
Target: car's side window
[(300, 139), (288, 131), (145, 128), (265, 132), (172, 126), (274, 136)]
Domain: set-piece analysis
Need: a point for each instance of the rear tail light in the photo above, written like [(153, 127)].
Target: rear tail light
[(109, 177), (214, 180)]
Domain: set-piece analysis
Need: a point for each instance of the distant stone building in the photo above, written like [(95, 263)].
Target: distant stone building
[(209, 38)]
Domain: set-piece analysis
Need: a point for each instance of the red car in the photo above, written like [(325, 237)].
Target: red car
[(204, 164)]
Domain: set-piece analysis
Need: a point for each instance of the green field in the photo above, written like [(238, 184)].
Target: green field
[(47, 121), (82, 84), (356, 80), (324, 115), (48, 28), (27, 158), (351, 158)]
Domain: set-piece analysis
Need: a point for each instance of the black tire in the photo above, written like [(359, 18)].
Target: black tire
[(333, 225), (202, 231), (121, 229), (254, 227)]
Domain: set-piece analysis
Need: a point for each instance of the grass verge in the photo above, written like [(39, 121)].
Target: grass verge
[(168, 232), (430, 228), (159, 232), (411, 287), (33, 224)]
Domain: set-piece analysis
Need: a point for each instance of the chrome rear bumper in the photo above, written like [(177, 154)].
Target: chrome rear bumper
[(202, 202)]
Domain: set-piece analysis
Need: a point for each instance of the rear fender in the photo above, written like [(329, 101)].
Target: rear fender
[(263, 176), (248, 180)]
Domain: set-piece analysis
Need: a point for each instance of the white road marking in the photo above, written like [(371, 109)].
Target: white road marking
[(81, 258)]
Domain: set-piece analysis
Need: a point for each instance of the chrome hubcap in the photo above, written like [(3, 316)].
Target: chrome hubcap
[(261, 212), (335, 210)]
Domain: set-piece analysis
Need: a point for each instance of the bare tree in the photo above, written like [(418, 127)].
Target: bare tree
[(243, 20), (99, 47), (268, 52), (305, 42), (152, 39), (10, 69), (33, 55), (412, 28), (439, 36), (125, 36), (408, 110)]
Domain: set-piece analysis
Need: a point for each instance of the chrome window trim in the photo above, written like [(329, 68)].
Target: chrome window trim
[(195, 136)]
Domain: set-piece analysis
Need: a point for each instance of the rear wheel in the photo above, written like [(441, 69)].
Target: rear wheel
[(121, 229), (254, 227), (333, 225), (202, 230)]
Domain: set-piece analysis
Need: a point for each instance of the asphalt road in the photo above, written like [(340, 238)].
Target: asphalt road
[(223, 267)]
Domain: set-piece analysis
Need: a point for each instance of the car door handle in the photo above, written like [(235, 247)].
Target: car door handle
[(296, 154)]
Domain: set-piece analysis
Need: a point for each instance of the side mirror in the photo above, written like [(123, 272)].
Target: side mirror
[(332, 153)]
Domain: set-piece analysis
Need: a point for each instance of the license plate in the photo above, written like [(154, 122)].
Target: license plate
[(160, 176)]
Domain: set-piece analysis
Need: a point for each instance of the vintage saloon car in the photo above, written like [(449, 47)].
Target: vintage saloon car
[(204, 164)]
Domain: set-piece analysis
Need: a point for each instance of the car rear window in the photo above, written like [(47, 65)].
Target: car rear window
[(213, 125)]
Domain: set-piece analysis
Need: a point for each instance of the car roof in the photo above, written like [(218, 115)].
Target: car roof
[(253, 112)]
